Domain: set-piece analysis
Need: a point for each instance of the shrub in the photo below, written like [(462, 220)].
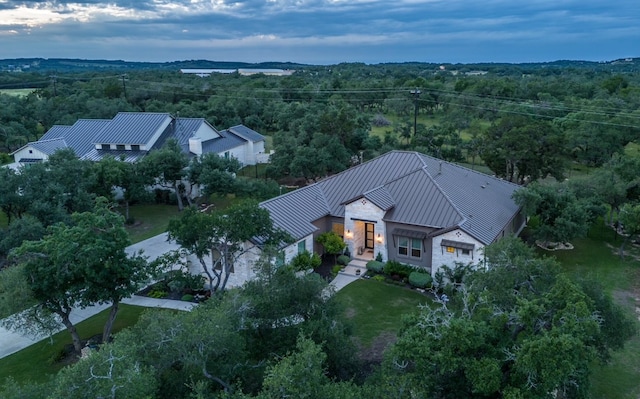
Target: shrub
[(420, 279), (178, 281), (343, 260), (157, 293), (392, 267), (305, 261), (379, 257), (378, 277), (187, 298), (336, 269), (375, 266)]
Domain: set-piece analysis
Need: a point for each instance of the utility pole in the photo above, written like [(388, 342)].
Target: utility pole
[(416, 94)]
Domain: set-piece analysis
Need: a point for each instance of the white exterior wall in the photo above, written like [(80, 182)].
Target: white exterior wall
[(237, 152), (205, 132), (29, 152), (440, 256), (243, 269), (364, 210)]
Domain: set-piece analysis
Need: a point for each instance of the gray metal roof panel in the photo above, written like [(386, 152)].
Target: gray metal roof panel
[(132, 128), (246, 133), (226, 142), (49, 146), (184, 129), (56, 132), (125, 155), (295, 211), (81, 135), (420, 202), (359, 179), (485, 201), (381, 198)]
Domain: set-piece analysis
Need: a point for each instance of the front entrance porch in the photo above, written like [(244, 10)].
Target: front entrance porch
[(365, 239)]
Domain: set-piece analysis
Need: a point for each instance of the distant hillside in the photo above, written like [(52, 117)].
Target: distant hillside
[(61, 65), (79, 65)]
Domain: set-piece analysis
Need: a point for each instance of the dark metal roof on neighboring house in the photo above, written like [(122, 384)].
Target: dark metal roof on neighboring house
[(246, 133), (415, 189), (123, 155), (132, 128), (227, 141), (55, 132), (49, 146)]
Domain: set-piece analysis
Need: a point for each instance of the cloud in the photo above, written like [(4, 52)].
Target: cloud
[(327, 30)]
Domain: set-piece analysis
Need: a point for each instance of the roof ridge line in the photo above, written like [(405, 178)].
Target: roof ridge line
[(453, 205)]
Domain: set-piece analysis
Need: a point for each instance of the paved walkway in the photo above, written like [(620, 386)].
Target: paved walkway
[(11, 342)]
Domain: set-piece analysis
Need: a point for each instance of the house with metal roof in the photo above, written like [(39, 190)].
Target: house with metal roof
[(403, 206), (131, 135)]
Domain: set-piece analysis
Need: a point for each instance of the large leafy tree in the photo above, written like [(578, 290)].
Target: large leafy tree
[(167, 166), (518, 329), (560, 215), (219, 238), (214, 173), (12, 203), (78, 265), (522, 149), (111, 174)]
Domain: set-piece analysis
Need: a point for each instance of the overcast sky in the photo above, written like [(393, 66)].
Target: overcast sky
[(322, 31)]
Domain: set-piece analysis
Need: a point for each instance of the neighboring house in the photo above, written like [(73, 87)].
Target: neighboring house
[(131, 135), (405, 206)]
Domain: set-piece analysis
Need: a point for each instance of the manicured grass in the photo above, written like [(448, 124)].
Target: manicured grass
[(596, 256), (376, 308), (17, 92), (35, 363), (150, 220), (425, 120)]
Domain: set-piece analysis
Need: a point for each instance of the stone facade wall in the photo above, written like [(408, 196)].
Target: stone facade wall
[(362, 210), (440, 256)]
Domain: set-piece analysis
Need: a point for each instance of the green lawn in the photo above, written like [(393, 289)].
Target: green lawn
[(17, 92), (596, 256), (36, 362), (376, 308), (150, 220)]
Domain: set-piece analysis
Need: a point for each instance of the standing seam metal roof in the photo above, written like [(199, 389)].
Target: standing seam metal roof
[(132, 128), (49, 146), (425, 191)]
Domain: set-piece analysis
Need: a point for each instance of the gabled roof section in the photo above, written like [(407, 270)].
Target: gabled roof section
[(49, 146), (225, 142), (421, 202), (246, 133), (136, 128), (381, 198), (81, 135)]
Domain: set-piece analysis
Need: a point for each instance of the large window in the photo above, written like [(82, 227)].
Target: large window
[(302, 246), (410, 247)]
